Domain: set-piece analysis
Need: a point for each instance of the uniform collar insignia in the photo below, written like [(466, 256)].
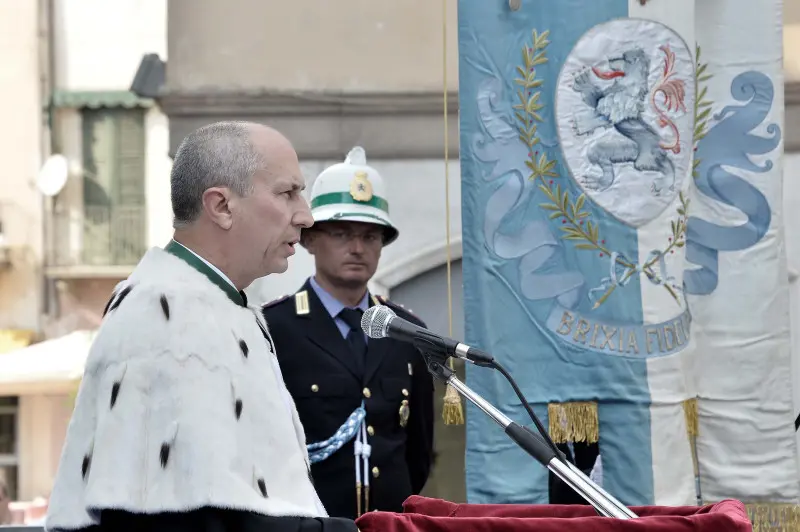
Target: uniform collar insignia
[(301, 303)]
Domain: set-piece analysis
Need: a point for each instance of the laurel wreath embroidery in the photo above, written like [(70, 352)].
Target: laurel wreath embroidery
[(576, 221), (702, 107)]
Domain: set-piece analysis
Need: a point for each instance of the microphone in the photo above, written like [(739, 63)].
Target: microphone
[(380, 321)]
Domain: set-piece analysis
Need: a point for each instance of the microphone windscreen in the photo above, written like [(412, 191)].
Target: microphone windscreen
[(375, 321)]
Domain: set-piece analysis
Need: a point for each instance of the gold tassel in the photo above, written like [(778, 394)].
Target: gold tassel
[(452, 411), (690, 413), (692, 430), (571, 422), (774, 516)]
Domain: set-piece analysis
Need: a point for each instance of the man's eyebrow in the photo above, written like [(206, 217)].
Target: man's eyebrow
[(293, 185)]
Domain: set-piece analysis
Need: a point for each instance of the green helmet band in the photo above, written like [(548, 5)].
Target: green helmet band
[(334, 198)]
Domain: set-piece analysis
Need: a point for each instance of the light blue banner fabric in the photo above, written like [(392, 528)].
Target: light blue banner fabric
[(520, 276)]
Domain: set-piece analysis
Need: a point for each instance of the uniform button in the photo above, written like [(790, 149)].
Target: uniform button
[(371, 431), (314, 388), (376, 472), (405, 392), (367, 393)]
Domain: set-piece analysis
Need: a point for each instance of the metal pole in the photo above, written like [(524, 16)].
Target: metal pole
[(602, 501)]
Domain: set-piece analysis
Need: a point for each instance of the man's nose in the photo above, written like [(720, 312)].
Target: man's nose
[(302, 217), (356, 244)]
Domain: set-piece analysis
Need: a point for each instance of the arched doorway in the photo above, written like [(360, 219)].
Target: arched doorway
[(426, 296)]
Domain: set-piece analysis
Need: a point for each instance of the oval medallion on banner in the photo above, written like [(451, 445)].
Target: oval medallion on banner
[(625, 107)]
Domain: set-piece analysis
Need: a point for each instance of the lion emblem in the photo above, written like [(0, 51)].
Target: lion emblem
[(616, 98)]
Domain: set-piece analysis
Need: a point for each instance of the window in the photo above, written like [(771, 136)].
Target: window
[(113, 186), (9, 457)]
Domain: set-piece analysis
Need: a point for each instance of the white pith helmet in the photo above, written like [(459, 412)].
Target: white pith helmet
[(352, 192)]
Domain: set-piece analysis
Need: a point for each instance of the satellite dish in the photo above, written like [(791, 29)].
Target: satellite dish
[(53, 175)]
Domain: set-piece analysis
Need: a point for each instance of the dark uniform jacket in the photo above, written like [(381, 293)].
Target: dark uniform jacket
[(321, 374)]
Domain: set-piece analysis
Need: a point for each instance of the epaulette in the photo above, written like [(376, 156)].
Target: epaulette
[(385, 301), (276, 301), (300, 302)]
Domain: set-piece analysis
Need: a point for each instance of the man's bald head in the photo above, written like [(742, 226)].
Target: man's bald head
[(223, 154)]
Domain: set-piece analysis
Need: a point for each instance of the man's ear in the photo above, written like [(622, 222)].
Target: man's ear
[(217, 205)]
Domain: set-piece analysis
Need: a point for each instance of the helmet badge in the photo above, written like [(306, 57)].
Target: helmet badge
[(360, 187)]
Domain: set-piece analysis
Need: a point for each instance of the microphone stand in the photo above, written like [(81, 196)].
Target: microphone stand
[(532, 443)]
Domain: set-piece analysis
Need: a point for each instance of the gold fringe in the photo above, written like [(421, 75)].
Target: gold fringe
[(571, 422), (452, 412), (690, 413), (770, 516)]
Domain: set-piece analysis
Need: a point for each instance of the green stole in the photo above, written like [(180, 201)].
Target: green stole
[(174, 248)]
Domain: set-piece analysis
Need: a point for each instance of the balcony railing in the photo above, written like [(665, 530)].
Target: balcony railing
[(97, 237)]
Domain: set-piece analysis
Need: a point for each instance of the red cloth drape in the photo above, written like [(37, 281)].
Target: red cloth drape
[(433, 515)]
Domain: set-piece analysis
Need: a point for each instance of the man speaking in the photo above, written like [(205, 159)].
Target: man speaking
[(182, 421)]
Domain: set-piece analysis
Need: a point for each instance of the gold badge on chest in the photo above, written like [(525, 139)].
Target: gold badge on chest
[(405, 411)]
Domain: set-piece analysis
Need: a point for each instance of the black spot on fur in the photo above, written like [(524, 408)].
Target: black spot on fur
[(164, 454), (108, 304), (114, 393), (238, 408), (87, 462), (122, 295), (165, 306), (244, 348), (262, 486)]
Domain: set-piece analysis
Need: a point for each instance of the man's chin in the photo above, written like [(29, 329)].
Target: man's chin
[(279, 266), (353, 281)]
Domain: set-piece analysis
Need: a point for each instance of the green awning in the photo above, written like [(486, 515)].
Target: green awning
[(99, 99)]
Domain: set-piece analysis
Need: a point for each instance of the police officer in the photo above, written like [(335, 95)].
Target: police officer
[(366, 404)]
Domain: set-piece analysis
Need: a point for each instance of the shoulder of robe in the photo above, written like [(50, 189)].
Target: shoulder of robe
[(138, 294), (141, 316)]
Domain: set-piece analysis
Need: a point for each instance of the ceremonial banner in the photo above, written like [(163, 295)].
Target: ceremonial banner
[(622, 241), (577, 129), (737, 279)]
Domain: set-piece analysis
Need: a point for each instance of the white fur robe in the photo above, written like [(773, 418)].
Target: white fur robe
[(180, 407)]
